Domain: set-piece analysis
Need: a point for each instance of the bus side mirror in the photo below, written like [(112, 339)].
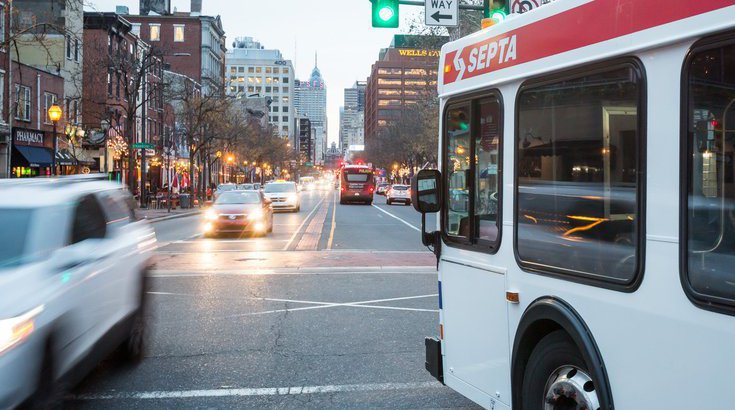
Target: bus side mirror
[(426, 197), (426, 191)]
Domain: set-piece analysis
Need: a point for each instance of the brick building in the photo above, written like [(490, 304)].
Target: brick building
[(192, 44), (404, 73), (113, 54)]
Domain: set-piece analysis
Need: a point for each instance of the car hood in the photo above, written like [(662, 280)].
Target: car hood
[(235, 208)]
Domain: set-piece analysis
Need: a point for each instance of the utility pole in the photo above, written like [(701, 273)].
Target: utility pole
[(143, 121)]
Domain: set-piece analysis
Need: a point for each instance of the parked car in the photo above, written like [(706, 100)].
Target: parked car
[(382, 188), (398, 193), (284, 195), (73, 264), (239, 212)]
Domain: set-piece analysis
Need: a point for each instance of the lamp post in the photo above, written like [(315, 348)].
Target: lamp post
[(54, 114), (230, 161)]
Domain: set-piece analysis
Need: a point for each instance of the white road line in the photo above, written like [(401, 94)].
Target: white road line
[(285, 248), (266, 391), (395, 217)]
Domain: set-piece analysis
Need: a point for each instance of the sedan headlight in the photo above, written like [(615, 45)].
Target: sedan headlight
[(256, 214), (211, 215), (292, 197), (15, 330)]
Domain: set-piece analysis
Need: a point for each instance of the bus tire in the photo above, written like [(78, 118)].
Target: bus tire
[(557, 375)]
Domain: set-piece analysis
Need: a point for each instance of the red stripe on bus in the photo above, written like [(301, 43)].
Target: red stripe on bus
[(587, 24)]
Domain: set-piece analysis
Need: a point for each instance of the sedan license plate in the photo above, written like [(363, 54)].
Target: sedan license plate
[(357, 194)]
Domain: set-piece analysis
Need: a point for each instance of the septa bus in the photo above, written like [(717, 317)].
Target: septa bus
[(586, 208), (356, 184)]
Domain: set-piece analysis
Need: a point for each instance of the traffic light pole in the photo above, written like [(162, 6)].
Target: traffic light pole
[(461, 6)]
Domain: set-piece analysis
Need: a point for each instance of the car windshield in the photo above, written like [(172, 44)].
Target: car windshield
[(227, 187), (270, 188), (245, 186), (231, 198), (15, 225), (357, 177), (400, 187)]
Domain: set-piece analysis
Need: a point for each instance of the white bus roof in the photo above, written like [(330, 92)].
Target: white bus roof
[(571, 32)]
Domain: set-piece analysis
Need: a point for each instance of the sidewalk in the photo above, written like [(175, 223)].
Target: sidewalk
[(157, 215)]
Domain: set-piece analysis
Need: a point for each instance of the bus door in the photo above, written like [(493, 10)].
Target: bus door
[(475, 323)]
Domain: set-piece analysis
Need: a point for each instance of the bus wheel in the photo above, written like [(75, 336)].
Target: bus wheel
[(556, 377)]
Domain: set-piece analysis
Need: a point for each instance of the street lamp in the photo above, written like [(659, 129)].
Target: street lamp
[(230, 161), (54, 114)]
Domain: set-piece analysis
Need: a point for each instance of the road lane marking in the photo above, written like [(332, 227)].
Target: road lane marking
[(310, 239), (334, 223), (285, 248), (260, 391), (395, 217)]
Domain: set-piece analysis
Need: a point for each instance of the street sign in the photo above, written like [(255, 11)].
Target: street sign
[(141, 145), (441, 13)]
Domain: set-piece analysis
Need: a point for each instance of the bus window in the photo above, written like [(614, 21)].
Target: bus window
[(578, 171), (472, 151), (710, 224), (458, 165), (486, 170)]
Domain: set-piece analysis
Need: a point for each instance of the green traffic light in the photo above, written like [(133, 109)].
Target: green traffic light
[(385, 13), (498, 15)]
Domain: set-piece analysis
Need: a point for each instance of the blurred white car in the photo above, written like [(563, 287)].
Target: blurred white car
[(283, 195), (73, 263)]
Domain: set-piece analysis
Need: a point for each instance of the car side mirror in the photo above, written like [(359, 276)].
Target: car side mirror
[(426, 191), (426, 197)]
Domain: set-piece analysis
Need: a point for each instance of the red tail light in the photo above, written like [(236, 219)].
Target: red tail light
[(344, 189), (371, 189)]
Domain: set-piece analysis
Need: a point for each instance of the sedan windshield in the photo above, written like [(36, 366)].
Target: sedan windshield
[(269, 188), (229, 198), (400, 187), (15, 223), (226, 187)]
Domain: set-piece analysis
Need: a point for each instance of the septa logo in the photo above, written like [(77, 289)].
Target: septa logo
[(480, 58)]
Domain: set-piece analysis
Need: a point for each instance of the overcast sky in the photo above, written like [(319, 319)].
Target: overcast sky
[(339, 30)]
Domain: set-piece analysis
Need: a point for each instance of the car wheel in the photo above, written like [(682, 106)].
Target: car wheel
[(556, 376), (389, 202), (369, 202), (134, 346), (49, 392), (298, 208), (270, 227)]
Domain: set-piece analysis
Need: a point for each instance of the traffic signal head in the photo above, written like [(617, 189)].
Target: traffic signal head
[(385, 13)]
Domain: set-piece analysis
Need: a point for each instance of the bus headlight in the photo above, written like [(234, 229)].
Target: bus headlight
[(211, 215)]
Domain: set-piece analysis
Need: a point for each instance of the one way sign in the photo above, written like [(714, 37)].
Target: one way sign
[(441, 12)]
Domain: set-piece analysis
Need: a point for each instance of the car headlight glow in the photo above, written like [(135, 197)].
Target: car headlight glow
[(292, 197), (15, 330), (256, 214), (211, 215)]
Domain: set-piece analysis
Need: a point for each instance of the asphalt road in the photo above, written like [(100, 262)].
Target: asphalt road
[(329, 311)]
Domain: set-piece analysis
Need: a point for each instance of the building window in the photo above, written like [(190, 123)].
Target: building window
[(179, 33), (284, 118), (383, 91), (233, 70), (136, 29), (155, 34), (251, 89), (2, 22), (275, 80), (49, 99), (269, 80), (76, 50), (274, 108), (23, 103), (285, 79), (268, 70), (389, 81), (285, 71), (414, 82), (69, 49), (74, 112), (258, 70), (251, 70), (268, 89), (415, 71), (241, 69), (276, 70), (285, 100), (389, 103), (579, 159), (284, 89), (276, 90)]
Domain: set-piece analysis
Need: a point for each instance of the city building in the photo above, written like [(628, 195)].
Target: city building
[(404, 73), (310, 101), (108, 103), (352, 116), (254, 71), (47, 38), (192, 44)]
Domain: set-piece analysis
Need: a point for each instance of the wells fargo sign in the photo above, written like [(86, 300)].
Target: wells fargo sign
[(412, 52)]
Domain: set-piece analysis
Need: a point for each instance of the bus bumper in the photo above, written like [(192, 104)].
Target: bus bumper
[(434, 358)]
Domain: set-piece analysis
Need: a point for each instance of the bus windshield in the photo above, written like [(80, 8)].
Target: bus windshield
[(357, 177)]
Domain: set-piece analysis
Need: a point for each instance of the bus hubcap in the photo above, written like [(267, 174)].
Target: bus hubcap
[(570, 388)]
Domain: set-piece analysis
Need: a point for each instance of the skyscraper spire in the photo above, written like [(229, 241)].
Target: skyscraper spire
[(316, 59)]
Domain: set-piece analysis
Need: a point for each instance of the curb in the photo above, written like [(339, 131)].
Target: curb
[(169, 217)]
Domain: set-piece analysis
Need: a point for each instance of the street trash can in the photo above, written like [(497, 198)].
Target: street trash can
[(185, 201)]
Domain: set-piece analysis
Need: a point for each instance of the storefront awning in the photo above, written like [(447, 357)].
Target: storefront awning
[(64, 157), (35, 156)]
